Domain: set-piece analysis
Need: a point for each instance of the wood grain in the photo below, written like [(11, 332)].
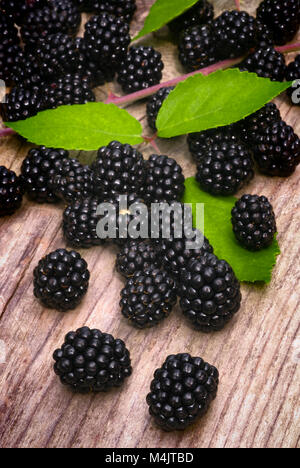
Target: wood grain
[(258, 354)]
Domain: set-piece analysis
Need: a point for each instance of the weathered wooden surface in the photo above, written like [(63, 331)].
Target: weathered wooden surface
[(258, 354)]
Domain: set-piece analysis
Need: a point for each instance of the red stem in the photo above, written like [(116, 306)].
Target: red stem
[(152, 142), (289, 48), (6, 132), (238, 5)]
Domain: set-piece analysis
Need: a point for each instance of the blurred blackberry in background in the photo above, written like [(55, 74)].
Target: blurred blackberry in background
[(181, 391), (90, 360), (137, 255), (118, 169), (252, 125), (86, 5), (141, 69), (293, 74), (200, 13), (253, 222), (200, 143), (154, 104), (8, 31), (148, 297), (11, 191), (17, 10), (266, 62), (37, 169), (209, 293), (22, 103), (197, 47), (69, 89), (282, 17), (61, 279)]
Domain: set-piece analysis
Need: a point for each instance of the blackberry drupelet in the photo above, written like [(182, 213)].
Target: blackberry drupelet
[(67, 90), (123, 9), (137, 255), (225, 168), (253, 222), (200, 143), (148, 297), (71, 180), (282, 17), (80, 221), (107, 39), (197, 47), (141, 68), (90, 360), (11, 191), (164, 180), (58, 16), (154, 104), (277, 149), (37, 169), (266, 62), (61, 280), (175, 253), (250, 126), (201, 13), (22, 103), (235, 34), (293, 74), (181, 391), (119, 169), (209, 293)]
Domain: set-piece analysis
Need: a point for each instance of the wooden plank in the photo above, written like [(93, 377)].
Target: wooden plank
[(257, 354)]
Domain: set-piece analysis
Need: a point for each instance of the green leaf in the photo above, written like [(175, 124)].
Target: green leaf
[(221, 98), (163, 11), (80, 127), (248, 266)]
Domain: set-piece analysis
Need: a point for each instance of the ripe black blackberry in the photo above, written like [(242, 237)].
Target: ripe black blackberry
[(171, 220), (22, 103), (201, 143), (26, 71), (250, 126), (80, 221), (141, 68), (90, 360), (8, 32), (119, 168), (137, 255), (181, 391), (277, 149), (201, 13), (67, 90), (282, 17), (175, 253), (8, 56), (89, 69), (123, 9), (225, 168), (253, 222), (61, 280), (235, 34), (148, 297), (37, 169), (209, 293), (293, 74), (263, 35), (57, 16), (107, 39), (197, 47), (11, 191), (154, 104), (17, 10), (71, 180), (266, 62)]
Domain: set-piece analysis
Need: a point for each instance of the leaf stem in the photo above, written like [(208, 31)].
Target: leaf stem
[(288, 48), (153, 89), (238, 5), (5, 131), (152, 142)]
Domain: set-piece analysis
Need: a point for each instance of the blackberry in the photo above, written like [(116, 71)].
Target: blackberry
[(154, 104), (37, 169), (11, 191), (89, 69), (123, 9), (26, 71), (209, 293), (263, 35), (282, 17), (90, 360), (8, 32), (141, 69), (22, 103), (8, 55), (71, 180), (67, 90), (201, 143), (57, 55), (235, 34), (58, 16), (202, 12), (148, 297), (175, 253), (118, 169), (171, 220), (61, 280), (164, 180), (181, 391), (17, 10), (197, 47), (107, 39), (266, 62), (86, 5), (250, 126), (253, 222), (137, 255), (80, 221), (293, 74), (277, 149), (225, 168)]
